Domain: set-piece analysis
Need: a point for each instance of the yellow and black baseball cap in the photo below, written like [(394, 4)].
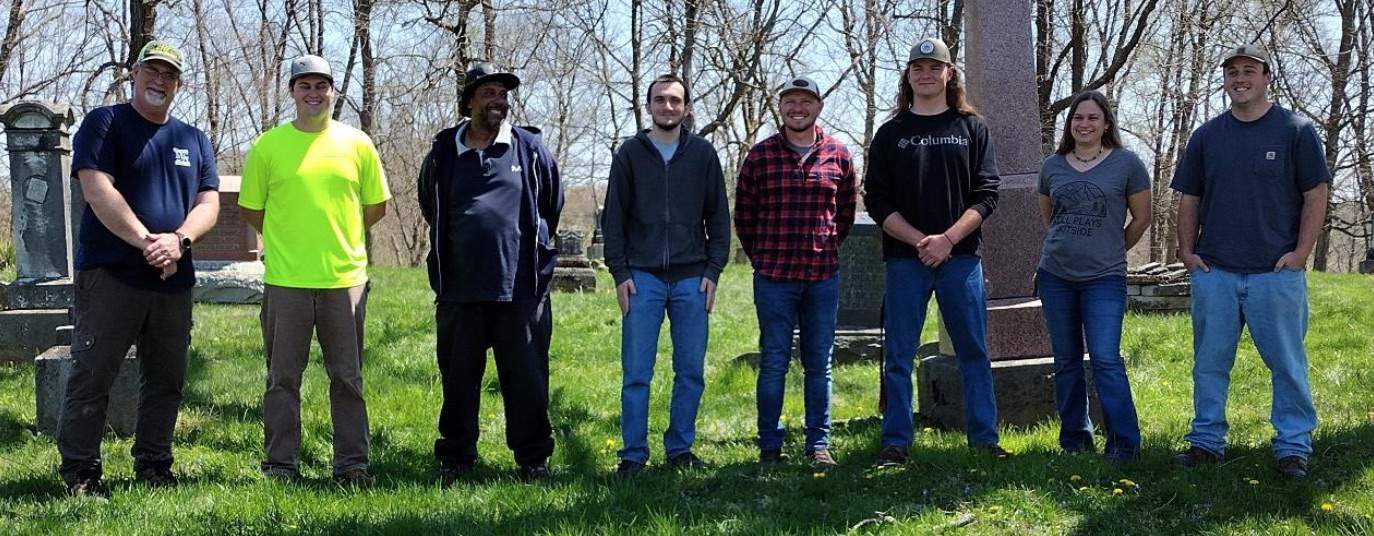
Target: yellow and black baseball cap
[(161, 51)]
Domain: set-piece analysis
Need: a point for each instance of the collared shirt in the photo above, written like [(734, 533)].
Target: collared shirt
[(793, 211), (503, 137)]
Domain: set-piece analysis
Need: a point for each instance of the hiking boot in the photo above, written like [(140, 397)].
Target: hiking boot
[(821, 460), (87, 487), (449, 473), (284, 475), (628, 468), (534, 471), (1196, 456), (995, 450), (891, 456), (1293, 467), (356, 477), (686, 460), (771, 457), (156, 477)]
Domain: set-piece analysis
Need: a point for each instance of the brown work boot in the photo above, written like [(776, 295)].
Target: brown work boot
[(1196, 456), (357, 477), (891, 456)]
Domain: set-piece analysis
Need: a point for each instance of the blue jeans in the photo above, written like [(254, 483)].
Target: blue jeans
[(1274, 306), (958, 287), (1092, 308), (686, 308), (781, 305)]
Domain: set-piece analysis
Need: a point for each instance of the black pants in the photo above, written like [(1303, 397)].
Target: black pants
[(110, 316), (518, 334)]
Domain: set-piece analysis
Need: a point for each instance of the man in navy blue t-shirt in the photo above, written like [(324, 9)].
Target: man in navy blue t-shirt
[(1254, 184), (151, 187)]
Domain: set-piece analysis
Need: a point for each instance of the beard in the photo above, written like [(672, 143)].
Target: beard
[(804, 128), (668, 125), (491, 117), (155, 98)]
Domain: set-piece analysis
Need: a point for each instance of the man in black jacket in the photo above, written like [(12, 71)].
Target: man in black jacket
[(491, 195), (667, 230)]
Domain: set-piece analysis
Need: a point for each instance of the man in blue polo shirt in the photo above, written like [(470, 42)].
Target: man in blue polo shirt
[(1254, 184), (492, 197), (151, 188)]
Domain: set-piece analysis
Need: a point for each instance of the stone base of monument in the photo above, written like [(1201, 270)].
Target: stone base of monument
[(596, 252), (856, 345), (51, 370), (1367, 267), (1016, 329), (574, 279), (1159, 288), (27, 333), (1024, 388), (55, 294), (229, 282)]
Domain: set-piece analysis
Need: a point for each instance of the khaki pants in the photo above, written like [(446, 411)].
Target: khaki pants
[(289, 316)]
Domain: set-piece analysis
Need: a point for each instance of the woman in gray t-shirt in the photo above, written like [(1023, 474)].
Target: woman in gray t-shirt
[(1086, 189)]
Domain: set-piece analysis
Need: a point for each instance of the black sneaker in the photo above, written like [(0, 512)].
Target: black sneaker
[(534, 471), (628, 468), (891, 456), (686, 460), (771, 457), (156, 477), (449, 473), (821, 460), (995, 450), (1293, 467), (87, 487), (285, 475), (1196, 456), (357, 477)]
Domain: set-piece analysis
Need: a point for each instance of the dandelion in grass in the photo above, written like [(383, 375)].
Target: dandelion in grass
[(1118, 492), (928, 430), (1327, 507), (818, 474), (1083, 489), (1075, 478), (1127, 483), (1254, 482)]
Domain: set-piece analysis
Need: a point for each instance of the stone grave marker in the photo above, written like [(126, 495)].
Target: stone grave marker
[(228, 258), (574, 272), (36, 303), (51, 371)]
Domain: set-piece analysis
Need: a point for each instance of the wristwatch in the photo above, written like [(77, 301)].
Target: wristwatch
[(185, 241)]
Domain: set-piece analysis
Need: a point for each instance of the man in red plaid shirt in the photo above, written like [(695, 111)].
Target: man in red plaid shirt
[(794, 205)]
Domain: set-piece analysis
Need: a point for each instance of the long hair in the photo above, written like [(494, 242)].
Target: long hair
[(955, 96), (1110, 137)]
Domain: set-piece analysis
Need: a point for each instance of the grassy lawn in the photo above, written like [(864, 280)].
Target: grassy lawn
[(946, 488)]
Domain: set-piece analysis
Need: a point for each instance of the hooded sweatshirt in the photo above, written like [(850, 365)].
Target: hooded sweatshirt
[(671, 219)]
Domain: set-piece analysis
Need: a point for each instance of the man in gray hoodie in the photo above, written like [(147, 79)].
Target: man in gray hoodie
[(667, 230)]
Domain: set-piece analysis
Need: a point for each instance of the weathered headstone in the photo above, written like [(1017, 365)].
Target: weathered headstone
[(574, 271), (35, 304), (597, 250), (1000, 74), (862, 276), (1367, 265), (228, 269), (51, 371)]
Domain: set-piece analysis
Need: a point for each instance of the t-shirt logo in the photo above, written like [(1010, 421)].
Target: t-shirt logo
[(183, 156), (1270, 155), (515, 168)]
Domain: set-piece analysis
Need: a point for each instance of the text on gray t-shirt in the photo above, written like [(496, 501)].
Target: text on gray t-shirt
[(1086, 238)]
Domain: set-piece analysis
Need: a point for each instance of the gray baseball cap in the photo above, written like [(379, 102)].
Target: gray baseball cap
[(800, 83), (308, 65), (1251, 51), (930, 48)]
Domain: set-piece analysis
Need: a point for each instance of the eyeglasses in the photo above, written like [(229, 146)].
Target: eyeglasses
[(165, 76)]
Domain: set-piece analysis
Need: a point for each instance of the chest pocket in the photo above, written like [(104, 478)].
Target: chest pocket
[(1269, 161)]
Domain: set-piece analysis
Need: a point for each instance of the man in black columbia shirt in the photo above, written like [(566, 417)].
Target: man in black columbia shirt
[(931, 182)]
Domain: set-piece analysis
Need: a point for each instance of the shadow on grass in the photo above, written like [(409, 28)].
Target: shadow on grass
[(14, 428)]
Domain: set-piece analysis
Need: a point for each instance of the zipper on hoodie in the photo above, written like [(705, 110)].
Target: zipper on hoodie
[(667, 164)]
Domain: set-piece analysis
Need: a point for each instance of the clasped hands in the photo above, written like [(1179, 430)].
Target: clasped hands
[(162, 251), (934, 249)]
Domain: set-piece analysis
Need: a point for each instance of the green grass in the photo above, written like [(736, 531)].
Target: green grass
[(219, 437)]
